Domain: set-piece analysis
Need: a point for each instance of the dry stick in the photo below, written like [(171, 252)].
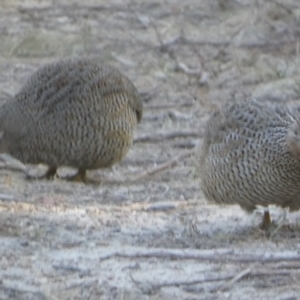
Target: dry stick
[(162, 167), (10, 163), (216, 255), (236, 32), (167, 253), (287, 265), (165, 47), (289, 10), (185, 145), (149, 95), (69, 285), (222, 44), (228, 285), (188, 71), (222, 277), (210, 278), (157, 137), (6, 197), (213, 277), (169, 106)]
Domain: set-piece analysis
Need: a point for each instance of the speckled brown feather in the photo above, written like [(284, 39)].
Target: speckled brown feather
[(78, 113), (250, 156)]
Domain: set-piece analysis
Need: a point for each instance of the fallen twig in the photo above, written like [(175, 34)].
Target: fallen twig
[(236, 278), (176, 115), (216, 255), (213, 277), (149, 95), (157, 137), (168, 253), (289, 10), (169, 106), (6, 197), (185, 145), (161, 206), (287, 265), (10, 163), (162, 167), (188, 71)]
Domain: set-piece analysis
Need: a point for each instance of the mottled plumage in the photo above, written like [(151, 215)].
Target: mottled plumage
[(78, 113), (251, 156)]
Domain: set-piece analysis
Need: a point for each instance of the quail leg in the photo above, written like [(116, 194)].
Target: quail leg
[(50, 173), (272, 228), (266, 221)]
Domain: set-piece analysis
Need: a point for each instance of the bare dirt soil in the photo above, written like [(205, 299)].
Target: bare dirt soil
[(146, 232)]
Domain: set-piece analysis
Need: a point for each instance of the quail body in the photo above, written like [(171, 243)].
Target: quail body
[(251, 156), (76, 112)]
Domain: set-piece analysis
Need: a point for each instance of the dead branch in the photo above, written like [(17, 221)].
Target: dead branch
[(161, 136), (78, 282), (208, 278), (10, 163), (124, 61), (162, 167), (148, 95), (287, 9), (161, 206), (229, 41), (213, 277), (70, 268), (236, 278), (5, 197), (169, 106), (176, 115), (216, 255), (168, 253), (188, 71), (187, 145), (174, 40), (287, 265), (145, 287)]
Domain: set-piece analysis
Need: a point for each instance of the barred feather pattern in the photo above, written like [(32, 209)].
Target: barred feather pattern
[(75, 112), (251, 156)]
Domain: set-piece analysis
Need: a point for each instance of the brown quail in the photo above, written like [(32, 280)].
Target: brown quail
[(251, 156), (78, 113)]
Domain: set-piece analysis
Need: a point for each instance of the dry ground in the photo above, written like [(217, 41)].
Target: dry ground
[(139, 235)]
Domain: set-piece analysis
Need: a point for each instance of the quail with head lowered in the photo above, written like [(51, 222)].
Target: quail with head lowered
[(251, 156), (75, 112)]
